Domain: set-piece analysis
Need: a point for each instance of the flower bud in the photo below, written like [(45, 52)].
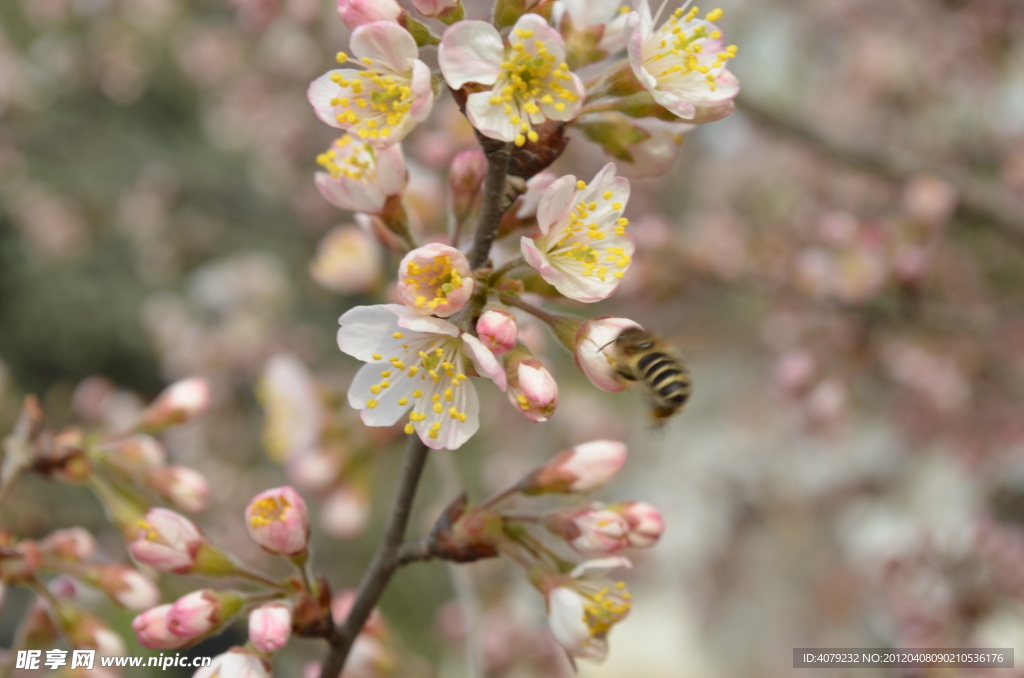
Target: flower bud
[(592, 531), (645, 522), (152, 632), (278, 521), (435, 280), (531, 387), (86, 631), (167, 541), (73, 543), (593, 355), (358, 12), (185, 487), (198, 613), (270, 627), (497, 329), (134, 452), (468, 170), (180, 402), (67, 457), (170, 542), (447, 11), (580, 469), (125, 585)]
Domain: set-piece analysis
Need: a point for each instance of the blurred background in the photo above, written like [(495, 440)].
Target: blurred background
[(842, 261)]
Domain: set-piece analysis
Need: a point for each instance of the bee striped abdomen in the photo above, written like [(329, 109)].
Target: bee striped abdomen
[(642, 356)]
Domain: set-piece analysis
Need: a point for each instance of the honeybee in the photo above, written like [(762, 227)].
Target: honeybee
[(639, 355)]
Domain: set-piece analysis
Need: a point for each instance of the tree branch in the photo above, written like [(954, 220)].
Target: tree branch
[(385, 561), (494, 203), (978, 200)]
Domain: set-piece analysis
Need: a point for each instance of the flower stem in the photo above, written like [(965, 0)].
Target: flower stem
[(505, 269), (260, 579), (536, 312), (385, 561)]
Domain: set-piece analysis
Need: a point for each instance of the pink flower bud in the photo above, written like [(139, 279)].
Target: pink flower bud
[(200, 612), (580, 469), (168, 541), (278, 521), (184, 486), (532, 389), (497, 329), (591, 531), (270, 627), (73, 543), (467, 174), (152, 632), (134, 452), (594, 354), (235, 663), (645, 522), (358, 12), (435, 8), (180, 402), (435, 280), (86, 631), (125, 585)]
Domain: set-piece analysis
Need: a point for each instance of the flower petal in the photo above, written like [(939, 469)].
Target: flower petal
[(491, 120), (349, 194), (386, 43), (558, 199), (470, 51), (486, 364), (321, 93), (566, 617)]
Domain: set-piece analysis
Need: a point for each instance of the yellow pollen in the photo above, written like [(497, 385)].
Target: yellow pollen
[(269, 510)]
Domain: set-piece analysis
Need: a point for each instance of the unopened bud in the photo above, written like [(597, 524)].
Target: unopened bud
[(584, 468), (152, 632), (593, 352), (645, 522), (592, 531), (278, 521), (180, 402), (497, 329), (531, 388), (185, 487), (467, 175), (358, 12), (447, 11), (73, 543), (134, 452), (270, 627), (201, 612), (170, 542), (236, 663), (125, 585)]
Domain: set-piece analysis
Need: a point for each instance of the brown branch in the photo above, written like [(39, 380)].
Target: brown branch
[(385, 561), (979, 201), (494, 205)]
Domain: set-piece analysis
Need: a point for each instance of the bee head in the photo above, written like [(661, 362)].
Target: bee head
[(632, 340)]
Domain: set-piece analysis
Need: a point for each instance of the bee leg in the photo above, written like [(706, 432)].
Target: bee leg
[(625, 373)]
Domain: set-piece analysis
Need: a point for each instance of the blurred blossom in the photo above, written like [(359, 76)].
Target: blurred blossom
[(473, 52), (291, 403), (133, 453), (348, 260), (932, 375), (236, 663), (241, 280), (435, 280), (464, 181), (646, 147), (794, 371), (315, 469), (125, 585), (185, 487), (929, 200), (180, 402), (345, 512), (73, 543), (827, 402), (52, 224), (167, 541), (602, 20), (590, 530)]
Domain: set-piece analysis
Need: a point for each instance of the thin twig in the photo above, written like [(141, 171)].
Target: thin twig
[(494, 205), (385, 561), (505, 269), (978, 200)]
